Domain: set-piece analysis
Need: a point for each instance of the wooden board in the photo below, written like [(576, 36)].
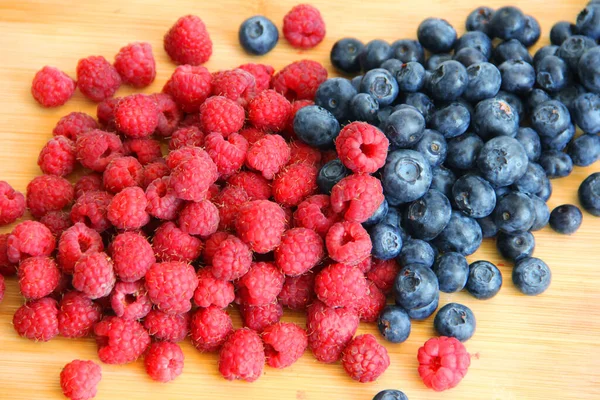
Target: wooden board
[(525, 348)]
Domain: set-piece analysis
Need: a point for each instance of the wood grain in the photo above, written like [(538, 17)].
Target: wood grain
[(525, 348)]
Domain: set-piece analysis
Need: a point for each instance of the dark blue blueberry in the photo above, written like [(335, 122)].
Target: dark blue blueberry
[(502, 160), (383, 114), (330, 174), (546, 192), (569, 94), (416, 286), (435, 60), (316, 126), (484, 82), (502, 191), (566, 219), (394, 324), (537, 97), (585, 150), (479, 20), (427, 217), (463, 151), (514, 213), (451, 121), (556, 164), (511, 50), (380, 84), (363, 107), (532, 181), (433, 147), (469, 56), (448, 81), (462, 235), (507, 23), (488, 227), (531, 33), (392, 217), (404, 127), (410, 77), (392, 65), (531, 276), (474, 196), (416, 252), (258, 35), (573, 49), (390, 394), (406, 176), (436, 35), (475, 40), (586, 112), (517, 76), (335, 95), (552, 74), (588, 22), (452, 271), (514, 101), (589, 194), (515, 246), (530, 141), (421, 102), (541, 211), (407, 50), (345, 53), (379, 214), (485, 280), (550, 118), (386, 240), (374, 54), (455, 320), (561, 31), (443, 180), (421, 313), (589, 70), (495, 118), (543, 52), (356, 82), (560, 141)]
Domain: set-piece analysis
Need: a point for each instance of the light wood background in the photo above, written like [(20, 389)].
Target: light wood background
[(545, 347)]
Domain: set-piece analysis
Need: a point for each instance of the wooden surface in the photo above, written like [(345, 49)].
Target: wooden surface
[(524, 348)]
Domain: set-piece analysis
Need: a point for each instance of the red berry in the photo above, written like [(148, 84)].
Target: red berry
[(29, 239), (212, 244), (87, 183), (162, 201), (74, 124), (7, 268), (260, 285), (171, 286), (348, 243), (254, 184), (91, 209), (189, 86), (51, 87), (231, 260), (169, 114), (222, 115), (371, 305), (97, 78), (172, 244), (121, 173), (300, 152), (300, 250), (298, 291), (236, 84), (163, 326), (127, 210), (269, 110), (188, 41), (93, 275), (261, 224), (295, 183), (136, 116), (228, 154), (105, 112), (186, 136), (299, 80), (303, 26), (262, 74), (242, 356), (77, 315), (383, 273), (145, 150), (37, 320), (48, 193), (268, 155), (284, 344), (212, 291), (155, 170), (12, 204), (38, 277), (289, 128), (340, 285), (357, 197), (252, 135), (120, 341), (75, 242), (443, 362), (135, 64), (209, 328), (201, 218), (364, 359), (79, 379), (193, 176), (96, 148), (228, 202), (258, 318), (362, 147), (58, 157), (164, 361), (129, 300), (316, 213)]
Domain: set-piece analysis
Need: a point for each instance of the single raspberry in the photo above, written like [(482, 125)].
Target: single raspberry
[(105, 112), (96, 148), (383, 273), (365, 265), (254, 184), (135, 64), (120, 341), (189, 86), (12, 204), (288, 131), (262, 74), (188, 41), (37, 320), (191, 119), (74, 124), (51, 87), (261, 284), (222, 115), (93, 275), (300, 152), (2, 288), (252, 135), (127, 210), (209, 328), (371, 305), (79, 379), (171, 286), (443, 363), (121, 173), (261, 224), (236, 84), (29, 239), (228, 154), (340, 285), (75, 242), (177, 157), (162, 201), (167, 327), (164, 361), (316, 213), (136, 115), (87, 183), (299, 80), (212, 291), (300, 250), (348, 243), (97, 78), (228, 202), (362, 147), (303, 26), (268, 155), (284, 344), (357, 197), (77, 315), (201, 218), (48, 193), (145, 150), (192, 177), (132, 256), (155, 170), (329, 330), (269, 110), (364, 359), (297, 292), (186, 136), (169, 114), (58, 156), (258, 318), (212, 245), (129, 300), (295, 183), (38, 277), (231, 260), (91, 209), (172, 244), (242, 356), (7, 268)]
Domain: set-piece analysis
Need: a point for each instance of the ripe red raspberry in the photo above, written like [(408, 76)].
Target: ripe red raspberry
[(269, 110), (177, 157), (91, 209), (383, 273), (242, 356), (228, 202), (288, 131), (298, 291), (121, 173), (120, 341), (132, 256), (228, 154), (162, 201), (145, 150), (93, 275), (212, 244), (357, 197), (261, 224), (340, 285), (7, 268), (299, 80), (236, 84), (75, 242), (105, 112), (169, 114), (261, 284), (38, 277), (252, 135), (315, 213), (262, 74), (329, 330), (300, 152), (443, 362), (77, 315), (192, 177), (48, 193), (167, 327), (12, 204), (171, 286), (87, 183), (365, 265), (51, 87), (303, 26), (362, 147), (222, 115), (295, 183), (189, 86), (212, 291), (135, 64), (364, 359), (97, 78), (29, 239), (231, 260), (186, 136), (371, 305), (136, 115), (172, 244), (79, 379), (155, 170), (258, 318), (254, 184), (37, 320), (268, 155), (96, 148), (188, 41), (201, 218), (164, 361), (209, 328), (74, 124), (284, 344), (348, 243), (127, 210), (300, 250), (58, 156), (129, 300)]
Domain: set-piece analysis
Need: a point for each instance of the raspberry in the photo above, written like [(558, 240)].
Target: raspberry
[(135, 64), (6, 267), (362, 147), (228, 202), (212, 291), (299, 80), (29, 239), (340, 285), (177, 157), (37, 320), (300, 152), (79, 379), (93, 275), (164, 361), (252, 135), (261, 224), (365, 265), (188, 41), (298, 291), (127, 210), (222, 115), (38, 277), (87, 183), (12, 204), (77, 315), (371, 305), (97, 78), (258, 318), (357, 197), (192, 178), (51, 87), (91, 209), (329, 330), (129, 300), (155, 170), (268, 155), (75, 242), (300, 250), (209, 328), (145, 150), (443, 362), (132, 256), (348, 243), (201, 218), (105, 112), (228, 154), (136, 116), (242, 356), (261, 284), (120, 341), (254, 184), (189, 86), (303, 26), (364, 359), (172, 244), (262, 74), (162, 202), (74, 124), (191, 119), (97, 148), (121, 173), (212, 244), (186, 136), (231, 260), (171, 286), (269, 110), (58, 157), (294, 183), (169, 114), (284, 344), (383, 273), (167, 327), (48, 193), (315, 213), (237, 85)]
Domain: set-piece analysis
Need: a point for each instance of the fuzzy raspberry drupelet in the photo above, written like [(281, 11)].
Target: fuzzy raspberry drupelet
[(269, 110), (357, 197), (97, 78), (38, 277), (74, 124), (169, 114), (162, 201), (164, 361), (298, 291), (75, 242), (295, 183), (261, 284), (132, 256), (268, 155), (48, 193), (193, 176), (443, 363), (348, 243), (2, 287), (262, 74), (236, 84), (79, 379), (242, 356), (261, 224), (29, 239), (228, 202), (145, 150), (299, 80), (362, 147), (167, 327), (87, 183), (258, 318), (284, 344), (12, 204), (51, 87), (77, 315), (96, 148), (127, 210), (121, 173), (231, 260), (228, 154), (316, 213), (94, 275), (189, 86), (91, 209), (188, 41), (136, 115), (300, 152), (371, 305), (212, 291), (364, 359), (120, 341), (37, 320), (253, 183), (383, 273), (303, 26), (209, 328), (186, 136), (135, 64), (300, 250), (58, 156), (155, 170), (222, 115), (172, 244), (340, 285), (171, 286), (105, 112), (201, 218), (129, 300)]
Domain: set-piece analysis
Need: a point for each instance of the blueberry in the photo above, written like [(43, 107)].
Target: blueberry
[(494, 118), (452, 120), (390, 394), (585, 150), (517, 76), (443, 180), (488, 226), (356, 82), (452, 271), (541, 211), (543, 52), (531, 33), (552, 74), (330, 174), (569, 94), (394, 324), (392, 65), (448, 81), (435, 60), (560, 141), (474, 196), (406, 176), (479, 20), (556, 164), (485, 280), (380, 84), (550, 118), (410, 77), (514, 213), (363, 107), (531, 276), (537, 97), (463, 151), (392, 217), (502, 191), (469, 56), (502, 161), (546, 192), (424, 312), (345, 53), (433, 147), (511, 50), (427, 217), (586, 112), (589, 194), (316, 126), (515, 246), (404, 127), (374, 53), (507, 23), (475, 40), (379, 214), (566, 219), (588, 22), (415, 286), (573, 48), (530, 141), (407, 50), (383, 114), (335, 95), (455, 320), (386, 240), (589, 70), (258, 35), (561, 31), (462, 234), (436, 35), (532, 181), (421, 102), (416, 252), (484, 81), (514, 101)]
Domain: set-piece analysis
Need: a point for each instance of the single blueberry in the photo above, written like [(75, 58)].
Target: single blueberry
[(344, 55), (573, 48), (537, 97), (479, 20), (455, 320), (588, 22), (541, 211), (495, 118), (507, 23), (550, 118), (589, 194), (335, 95), (383, 114), (530, 141), (392, 65), (258, 35), (363, 107), (410, 77), (556, 164), (436, 35), (394, 324), (443, 180), (390, 394), (561, 31), (407, 50), (416, 252), (433, 147), (552, 74), (488, 226), (469, 56), (566, 219), (475, 40), (392, 217), (474, 196), (379, 214), (518, 76), (585, 150), (586, 112), (316, 127), (452, 120), (406, 176), (330, 174), (485, 280), (511, 50), (462, 234), (452, 271), (434, 60), (380, 84), (356, 82), (404, 127), (502, 160), (531, 33), (448, 81), (546, 192), (386, 240), (502, 191), (543, 52), (415, 286), (514, 213), (532, 181), (515, 246), (484, 82), (374, 54), (531, 276), (463, 151), (514, 101), (421, 313), (421, 102), (560, 141)]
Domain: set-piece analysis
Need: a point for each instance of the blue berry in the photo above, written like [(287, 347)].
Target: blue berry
[(392, 218), (416, 252), (452, 271), (316, 126), (485, 280), (390, 394), (462, 234), (344, 55), (573, 48), (541, 211), (379, 214), (394, 324), (452, 120), (495, 117), (410, 77), (531, 33), (530, 141), (416, 286), (404, 127), (436, 35), (356, 82), (537, 97), (479, 20), (421, 313), (589, 70), (569, 94), (561, 31), (455, 320), (427, 217), (363, 107), (406, 176), (407, 50), (589, 194), (586, 112), (514, 213), (330, 174), (585, 150), (463, 151), (511, 50), (515, 246), (474, 196), (543, 52), (502, 161), (475, 40), (258, 35), (517, 76), (507, 23), (443, 180), (556, 164), (335, 95), (484, 82), (552, 74), (421, 102), (588, 22), (392, 65), (566, 219), (469, 56), (386, 240), (433, 147), (488, 226), (532, 181), (531, 276), (380, 84), (514, 101), (434, 60), (374, 54), (383, 114), (550, 118), (448, 81), (560, 141)]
